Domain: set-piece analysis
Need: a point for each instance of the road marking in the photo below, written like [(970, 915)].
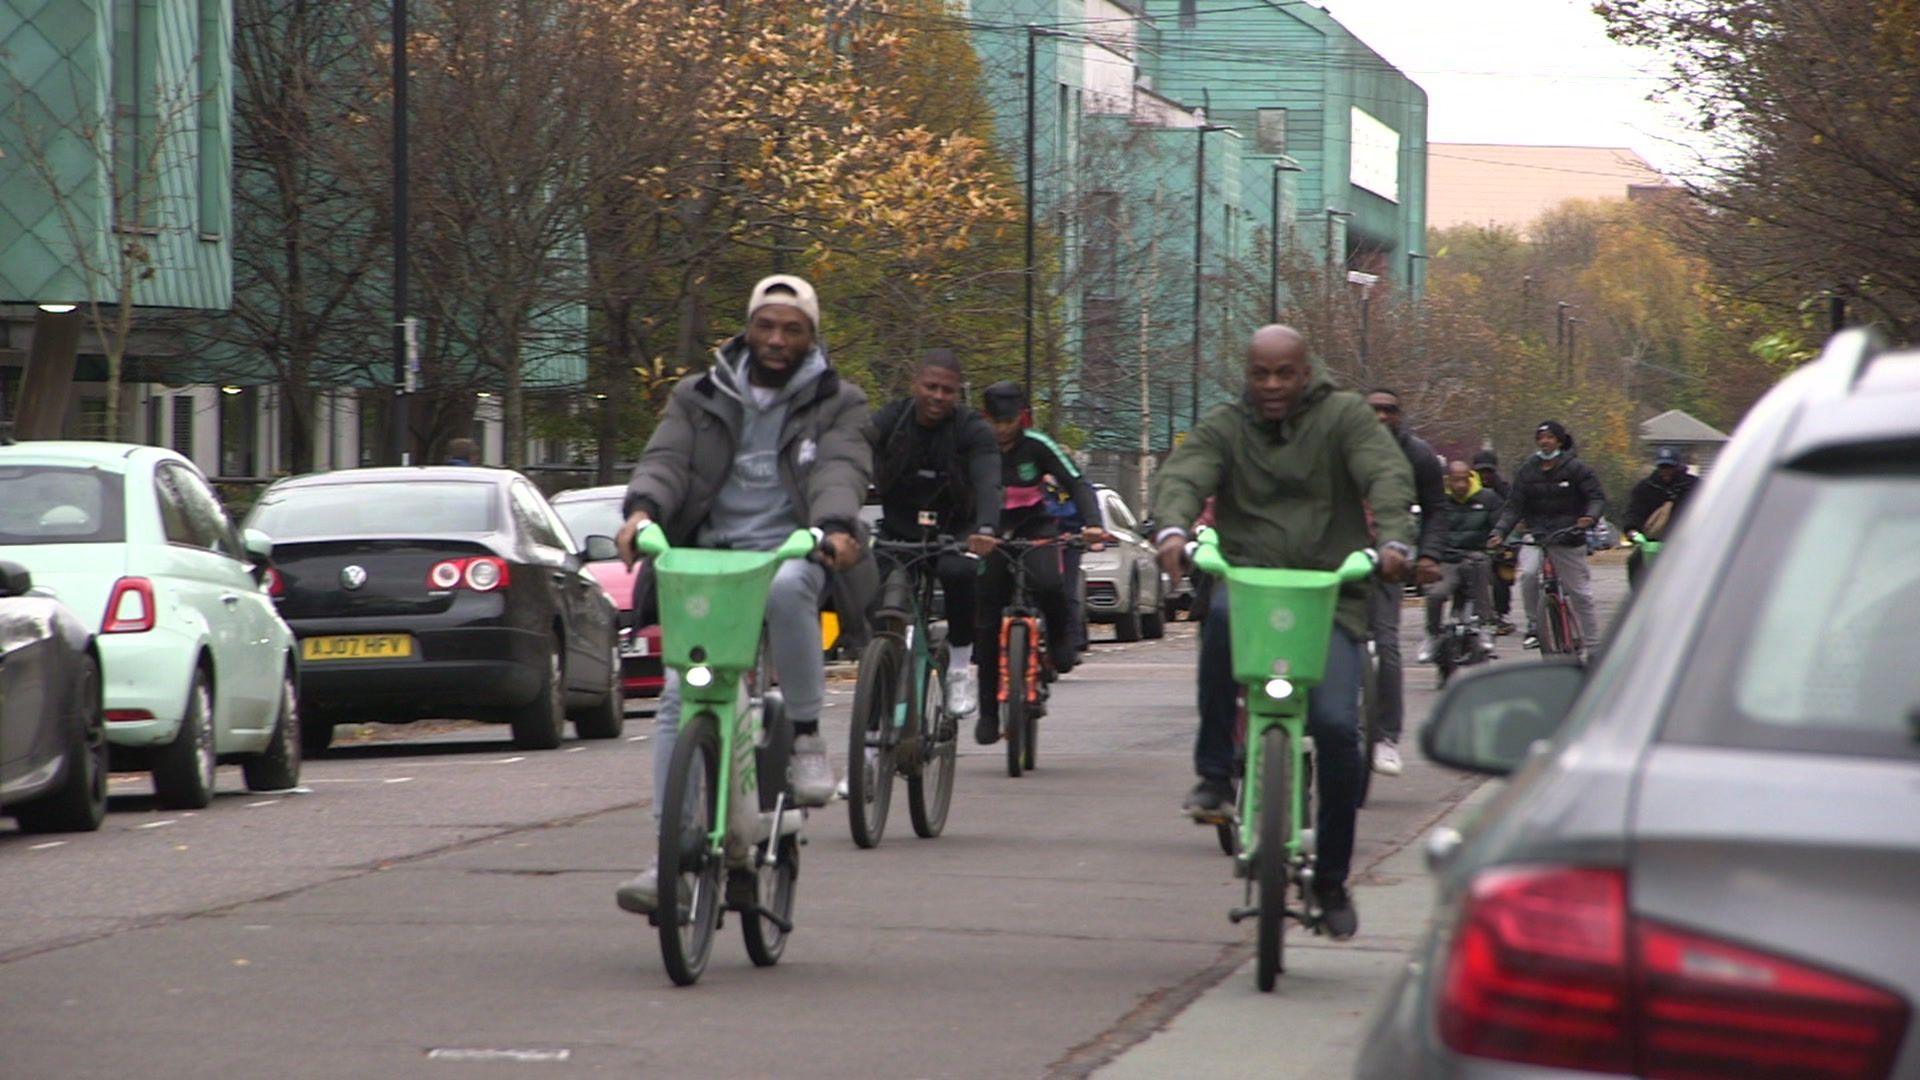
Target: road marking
[(265, 802), (575, 749), (48, 844), (398, 780), (509, 760), (452, 1053), (637, 738), (157, 824)]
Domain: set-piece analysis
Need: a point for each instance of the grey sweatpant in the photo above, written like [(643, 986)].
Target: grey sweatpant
[(799, 661), (1570, 565), (1383, 623)]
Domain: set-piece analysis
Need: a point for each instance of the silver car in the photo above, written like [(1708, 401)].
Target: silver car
[(1124, 584), (1707, 862)]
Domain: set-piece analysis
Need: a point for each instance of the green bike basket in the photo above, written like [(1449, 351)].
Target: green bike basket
[(1283, 614), (713, 601)]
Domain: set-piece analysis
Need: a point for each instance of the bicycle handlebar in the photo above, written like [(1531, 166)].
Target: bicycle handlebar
[(1205, 555), (1549, 540), (652, 542)]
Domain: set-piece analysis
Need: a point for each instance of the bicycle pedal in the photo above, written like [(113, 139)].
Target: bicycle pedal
[(1242, 914)]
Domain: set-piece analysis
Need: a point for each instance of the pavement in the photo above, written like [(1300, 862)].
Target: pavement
[(439, 904)]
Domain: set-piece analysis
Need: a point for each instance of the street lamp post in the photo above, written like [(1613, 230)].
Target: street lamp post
[(1034, 34), (401, 336), (1199, 250), (1328, 298), (1414, 258), (1282, 165)]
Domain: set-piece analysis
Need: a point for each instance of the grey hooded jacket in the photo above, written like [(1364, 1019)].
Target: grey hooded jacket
[(824, 460)]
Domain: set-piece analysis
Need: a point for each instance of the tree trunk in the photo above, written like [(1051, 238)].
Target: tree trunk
[(514, 405)]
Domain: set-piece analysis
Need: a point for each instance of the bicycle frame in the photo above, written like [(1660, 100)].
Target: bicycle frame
[(1278, 686), (912, 624), (712, 609)]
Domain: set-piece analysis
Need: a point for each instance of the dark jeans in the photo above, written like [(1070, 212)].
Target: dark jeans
[(1333, 719), (1076, 597), (960, 580), (1383, 621), (1046, 587), (1502, 594)]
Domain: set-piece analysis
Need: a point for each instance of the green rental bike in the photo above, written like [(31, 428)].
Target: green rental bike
[(900, 721), (1281, 629), (729, 833)]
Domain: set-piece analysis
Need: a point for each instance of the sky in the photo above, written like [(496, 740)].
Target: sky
[(1531, 72)]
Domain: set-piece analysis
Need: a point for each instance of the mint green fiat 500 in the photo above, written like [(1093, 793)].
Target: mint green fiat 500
[(198, 668)]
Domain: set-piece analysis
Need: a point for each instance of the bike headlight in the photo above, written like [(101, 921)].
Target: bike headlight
[(1279, 689), (700, 676)]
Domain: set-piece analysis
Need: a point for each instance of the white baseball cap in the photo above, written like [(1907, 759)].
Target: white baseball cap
[(797, 293)]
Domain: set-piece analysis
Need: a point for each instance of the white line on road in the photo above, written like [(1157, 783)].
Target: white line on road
[(48, 844), (265, 802), (575, 749), (636, 738), (454, 1053), (397, 780), (509, 760), (157, 824)]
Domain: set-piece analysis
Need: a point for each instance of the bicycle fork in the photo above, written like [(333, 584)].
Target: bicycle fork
[(1299, 843)]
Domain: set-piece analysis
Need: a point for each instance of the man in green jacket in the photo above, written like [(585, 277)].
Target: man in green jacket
[(1294, 466)]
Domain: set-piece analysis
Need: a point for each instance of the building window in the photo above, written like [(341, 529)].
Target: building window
[(1270, 131), (212, 150), (134, 92), (1189, 14), (181, 438), (93, 419), (239, 428)]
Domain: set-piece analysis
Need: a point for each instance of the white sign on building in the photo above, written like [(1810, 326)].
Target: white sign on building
[(1376, 156)]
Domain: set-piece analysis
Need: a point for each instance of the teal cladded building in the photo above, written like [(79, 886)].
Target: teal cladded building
[(1126, 93)]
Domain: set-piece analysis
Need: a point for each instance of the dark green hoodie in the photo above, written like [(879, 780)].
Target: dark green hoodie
[(1294, 492)]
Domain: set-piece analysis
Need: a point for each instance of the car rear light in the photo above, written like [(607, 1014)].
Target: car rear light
[(129, 607), (486, 574), (127, 716), (276, 585), (1711, 1009), (482, 573), (1548, 968)]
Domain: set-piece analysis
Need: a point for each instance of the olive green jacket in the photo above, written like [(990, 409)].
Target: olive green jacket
[(1294, 492)]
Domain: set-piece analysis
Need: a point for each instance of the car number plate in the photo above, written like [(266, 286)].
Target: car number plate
[(633, 646), (357, 647)]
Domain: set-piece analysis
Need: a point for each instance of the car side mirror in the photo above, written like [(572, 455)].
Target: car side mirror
[(14, 579), (600, 549), (1489, 722), (258, 545)]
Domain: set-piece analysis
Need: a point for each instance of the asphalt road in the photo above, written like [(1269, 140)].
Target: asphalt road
[(442, 905)]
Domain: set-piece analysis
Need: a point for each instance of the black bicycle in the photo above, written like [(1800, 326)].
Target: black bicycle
[(1461, 641), (900, 721)]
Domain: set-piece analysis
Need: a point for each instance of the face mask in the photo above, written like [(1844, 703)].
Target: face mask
[(1544, 456)]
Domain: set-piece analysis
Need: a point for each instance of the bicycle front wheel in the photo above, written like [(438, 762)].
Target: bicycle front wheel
[(1014, 711), (872, 739), (930, 788), (689, 907), (1270, 855), (773, 890)]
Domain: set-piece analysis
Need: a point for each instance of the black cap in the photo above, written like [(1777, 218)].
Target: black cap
[(1004, 400), (1486, 459), (1667, 455)]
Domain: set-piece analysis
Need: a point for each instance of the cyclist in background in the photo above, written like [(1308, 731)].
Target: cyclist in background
[(1294, 465), (1463, 526), (936, 468), (1668, 485), (1027, 458), (1553, 491), (1060, 504), (1383, 609), (1487, 464)]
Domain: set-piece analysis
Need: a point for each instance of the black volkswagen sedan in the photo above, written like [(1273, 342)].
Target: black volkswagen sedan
[(446, 592)]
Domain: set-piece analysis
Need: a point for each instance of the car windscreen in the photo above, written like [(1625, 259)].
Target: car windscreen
[(590, 517), (1810, 643), (45, 504), (387, 508)]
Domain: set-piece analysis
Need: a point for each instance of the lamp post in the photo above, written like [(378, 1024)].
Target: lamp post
[(1199, 250), (1414, 258), (402, 323), (1327, 299), (1034, 34), (1282, 165), (1560, 323)]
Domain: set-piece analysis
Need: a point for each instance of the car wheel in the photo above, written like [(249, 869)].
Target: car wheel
[(183, 774), (1126, 621), (539, 723), (277, 768), (606, 718), (79, 804)]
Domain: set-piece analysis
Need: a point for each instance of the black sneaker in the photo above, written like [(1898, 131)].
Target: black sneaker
[(986, 730), (1336, 912), (1064, 661), (1210, 800)]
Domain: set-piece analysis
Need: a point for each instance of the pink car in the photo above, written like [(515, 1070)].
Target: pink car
[(595, 511)]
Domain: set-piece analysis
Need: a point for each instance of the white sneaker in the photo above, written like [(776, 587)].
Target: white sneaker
[(640, 894), (1386, 759), (1427, 649), (810, 771), (963, 692)]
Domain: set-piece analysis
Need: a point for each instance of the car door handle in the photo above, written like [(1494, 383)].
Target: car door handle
[(229, 598)]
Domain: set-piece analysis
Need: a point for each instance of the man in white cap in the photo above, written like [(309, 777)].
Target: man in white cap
[(769, 440)]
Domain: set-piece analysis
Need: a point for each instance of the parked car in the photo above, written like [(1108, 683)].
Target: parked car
[(53, 737), (595, 511), (197, 667), (446, 591), (1707, 859), (1125, 586)]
